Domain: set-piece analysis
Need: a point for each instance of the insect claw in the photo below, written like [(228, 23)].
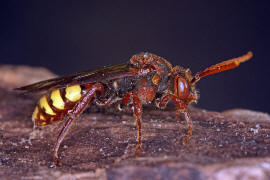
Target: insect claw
[(185, 140), (57, 162), (138, 150)]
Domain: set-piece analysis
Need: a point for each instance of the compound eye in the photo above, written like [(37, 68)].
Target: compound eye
[(181, 87)]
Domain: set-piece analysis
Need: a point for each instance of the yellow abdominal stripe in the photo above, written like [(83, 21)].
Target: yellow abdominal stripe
[(35, 117), (42, 117), (57, 99), (44, 105), (73, 93)]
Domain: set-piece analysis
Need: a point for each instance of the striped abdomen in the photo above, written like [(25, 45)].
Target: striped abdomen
[(54, 105)]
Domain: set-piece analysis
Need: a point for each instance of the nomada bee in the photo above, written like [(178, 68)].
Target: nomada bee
[(146, 78)]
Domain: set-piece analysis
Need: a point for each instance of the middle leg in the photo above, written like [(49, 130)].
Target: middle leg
[(137, 111)]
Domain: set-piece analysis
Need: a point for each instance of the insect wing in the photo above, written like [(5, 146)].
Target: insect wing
[(98, 75)]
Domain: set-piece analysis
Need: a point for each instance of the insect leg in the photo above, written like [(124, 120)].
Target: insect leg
[(182, 108), (189, 125), (162, 103), (137, 111), (104, 102), (74, 113)]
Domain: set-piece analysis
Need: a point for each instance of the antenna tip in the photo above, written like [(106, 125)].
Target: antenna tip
[(250, 54)]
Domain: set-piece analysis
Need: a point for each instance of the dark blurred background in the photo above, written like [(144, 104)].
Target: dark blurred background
[(67, 37)]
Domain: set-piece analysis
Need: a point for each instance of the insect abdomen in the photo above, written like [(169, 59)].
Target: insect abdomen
[(54, 105)]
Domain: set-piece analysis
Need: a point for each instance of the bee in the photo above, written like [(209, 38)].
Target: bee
[(145, 79)]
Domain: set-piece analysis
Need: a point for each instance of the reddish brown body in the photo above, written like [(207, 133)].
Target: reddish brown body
[(146, 78)]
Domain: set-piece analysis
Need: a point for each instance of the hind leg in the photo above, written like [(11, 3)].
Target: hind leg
[(74, 113)]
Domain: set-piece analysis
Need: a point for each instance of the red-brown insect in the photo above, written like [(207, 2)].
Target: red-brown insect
[(144, 79)]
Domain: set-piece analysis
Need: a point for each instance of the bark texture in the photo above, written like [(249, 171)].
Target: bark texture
[(233, 144)]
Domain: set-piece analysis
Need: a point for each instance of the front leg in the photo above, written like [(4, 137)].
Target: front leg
[(181, 108), (137, 111)]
